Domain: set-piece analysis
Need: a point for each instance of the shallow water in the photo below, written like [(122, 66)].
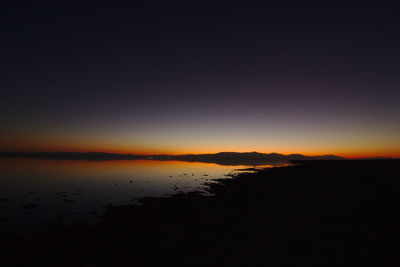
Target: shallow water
[(33, 191)]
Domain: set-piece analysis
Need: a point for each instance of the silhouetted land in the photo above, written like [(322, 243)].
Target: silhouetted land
[(316, 213), (222, 158)]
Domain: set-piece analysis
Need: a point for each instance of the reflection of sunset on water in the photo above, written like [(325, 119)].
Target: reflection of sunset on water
[(59, 187)]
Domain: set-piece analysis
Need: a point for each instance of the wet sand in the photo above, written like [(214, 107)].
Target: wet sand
[(315, 213)]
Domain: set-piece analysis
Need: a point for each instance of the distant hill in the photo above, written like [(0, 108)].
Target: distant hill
[(222, 158), (250, 158)]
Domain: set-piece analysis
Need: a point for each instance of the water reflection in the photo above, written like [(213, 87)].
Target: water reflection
[(35, 190)]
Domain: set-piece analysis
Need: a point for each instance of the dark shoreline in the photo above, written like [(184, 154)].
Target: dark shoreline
[(315, 213), (221, 158)]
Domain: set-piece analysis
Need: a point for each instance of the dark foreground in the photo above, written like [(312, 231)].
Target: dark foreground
[(319, 213)]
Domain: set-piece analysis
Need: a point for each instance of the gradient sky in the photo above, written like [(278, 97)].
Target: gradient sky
[(193, 78)]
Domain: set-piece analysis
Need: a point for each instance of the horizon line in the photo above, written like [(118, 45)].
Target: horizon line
[(183, 154)]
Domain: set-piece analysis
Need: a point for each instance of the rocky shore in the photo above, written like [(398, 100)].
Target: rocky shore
[(314, 213)]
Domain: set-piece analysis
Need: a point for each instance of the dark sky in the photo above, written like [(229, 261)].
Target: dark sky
[(186, 77)]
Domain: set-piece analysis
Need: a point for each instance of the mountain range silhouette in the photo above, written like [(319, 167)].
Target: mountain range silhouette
[(222, 158)]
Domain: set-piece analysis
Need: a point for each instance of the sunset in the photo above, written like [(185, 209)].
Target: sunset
[(194, 80), (118, 115)]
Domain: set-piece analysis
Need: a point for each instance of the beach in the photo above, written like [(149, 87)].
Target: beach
[(313, 213)]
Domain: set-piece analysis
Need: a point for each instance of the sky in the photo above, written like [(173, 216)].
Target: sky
[(172, 77)]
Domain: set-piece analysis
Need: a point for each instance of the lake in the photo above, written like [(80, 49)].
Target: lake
[(34, 191)]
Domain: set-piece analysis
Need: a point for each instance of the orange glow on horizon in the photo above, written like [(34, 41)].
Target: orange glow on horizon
[(342, 153), (177, 142)]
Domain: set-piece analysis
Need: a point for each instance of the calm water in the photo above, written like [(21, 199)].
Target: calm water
[(77, 190)]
